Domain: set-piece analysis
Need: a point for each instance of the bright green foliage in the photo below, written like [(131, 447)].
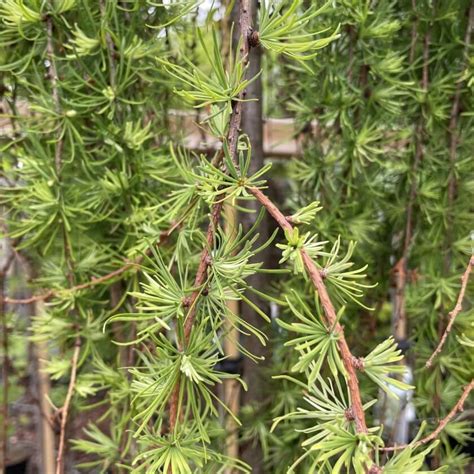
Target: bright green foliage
[(221, 87), (381, 362), (364, 117), (315, 343), (284, 29), (94, 183)]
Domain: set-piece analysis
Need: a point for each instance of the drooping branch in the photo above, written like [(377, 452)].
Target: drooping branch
[(458, 407), (232, 139), (53, 77), (68, 257), (64, 410), (205, 259), (96, 280), (349, 361), (454, 313), (110, 46), (454, 140), (400, 269)]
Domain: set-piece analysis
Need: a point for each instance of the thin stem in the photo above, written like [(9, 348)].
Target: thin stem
[(442, 424), (205, 259), (110, 45), (453, 314), (201, 273), (454, 140), (349, 361), (96, 280), (69, 260), (414, 33), (53, 77), (64, 411), (400, 269)]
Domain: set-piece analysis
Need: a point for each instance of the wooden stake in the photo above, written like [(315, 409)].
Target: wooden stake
[(231, 386)]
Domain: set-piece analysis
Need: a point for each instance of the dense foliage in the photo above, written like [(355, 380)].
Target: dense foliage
[(125, 229)]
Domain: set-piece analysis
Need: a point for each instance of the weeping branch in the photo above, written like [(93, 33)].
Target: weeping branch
[(442, 424), (350, 362), (64, 410), (110, 46), (454, 140), (58, 161), (205, 259), (454, 313), (400, 269), (135, 264)]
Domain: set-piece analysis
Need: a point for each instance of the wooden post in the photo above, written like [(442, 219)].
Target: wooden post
[(231, 387)]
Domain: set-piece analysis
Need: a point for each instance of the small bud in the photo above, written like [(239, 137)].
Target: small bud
[(254, 39)]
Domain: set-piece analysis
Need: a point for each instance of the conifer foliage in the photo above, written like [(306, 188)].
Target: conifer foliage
[(124, 228)]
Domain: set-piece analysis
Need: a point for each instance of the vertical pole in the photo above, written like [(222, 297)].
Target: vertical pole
[(257, 394), (231, 386)]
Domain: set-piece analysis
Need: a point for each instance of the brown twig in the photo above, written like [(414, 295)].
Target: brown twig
[(348, 359), (53, 77), (442, 424), (94, 280), (400, 269), (205, 259), (454, 139), (77, 347), (201, 273), (68, 256), (64, 411), (453, 314)]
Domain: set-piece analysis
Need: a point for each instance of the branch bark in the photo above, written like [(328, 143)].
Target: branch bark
[(64, 411), (349, 361), (400, 269), (454, 313), (454, 140), (442, 424), (205, 260)]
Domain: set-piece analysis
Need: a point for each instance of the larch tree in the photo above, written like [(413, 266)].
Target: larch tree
[(130, 239)]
